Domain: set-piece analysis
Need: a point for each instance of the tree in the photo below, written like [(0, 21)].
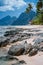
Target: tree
[(38, 20), (28, 9), (39, 6)]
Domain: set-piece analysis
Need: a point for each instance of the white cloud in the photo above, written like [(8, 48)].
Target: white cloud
[(10, 4), (5, 8), (34, 6)]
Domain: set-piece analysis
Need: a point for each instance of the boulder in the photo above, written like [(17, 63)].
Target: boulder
[(23, 48), (16, 50), (8, 33), (13, 39), (3, 42), (41, 46), (11, 33), (8, 58), (38, 46), (33, 52), (28, 47)]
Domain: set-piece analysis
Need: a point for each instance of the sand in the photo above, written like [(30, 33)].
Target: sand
[(34, 60)]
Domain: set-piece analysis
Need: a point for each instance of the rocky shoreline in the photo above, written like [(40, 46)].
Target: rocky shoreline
[(19, 42)]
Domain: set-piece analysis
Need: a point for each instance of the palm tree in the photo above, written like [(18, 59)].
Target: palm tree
[(39, 6), (28, 9)]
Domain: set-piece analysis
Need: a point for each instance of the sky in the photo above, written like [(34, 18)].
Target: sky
[(15, 7)]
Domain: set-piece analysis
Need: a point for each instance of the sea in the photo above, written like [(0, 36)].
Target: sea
[(3, 29)]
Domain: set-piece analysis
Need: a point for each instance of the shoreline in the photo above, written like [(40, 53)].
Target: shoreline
[(33, 60)]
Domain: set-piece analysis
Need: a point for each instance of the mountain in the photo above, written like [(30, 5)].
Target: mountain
[(13, 19), (7, 20), (24, 18)]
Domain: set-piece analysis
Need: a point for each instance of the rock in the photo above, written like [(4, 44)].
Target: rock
[(8, 58), (4, 41), (28, 47), (38, 41), (16, 50), (23, 48), (41, 46), (11, 33), (38, 46), (22, 62), (33, 52), (8, 33), (14, 39)]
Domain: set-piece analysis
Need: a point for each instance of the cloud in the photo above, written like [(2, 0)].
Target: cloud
[(34, 6), (5, 8), (12, 4)]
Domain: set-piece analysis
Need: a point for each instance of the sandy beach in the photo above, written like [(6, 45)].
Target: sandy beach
[(33, 60)]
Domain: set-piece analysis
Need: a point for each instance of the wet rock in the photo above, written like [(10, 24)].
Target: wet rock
[(33, 52), (22, 62), (16, 50), (13, 39), (4, 41), (11, 33), (21, 49), (28, 47), (8, 33), (38, 46), (41, 47), (8, 58)]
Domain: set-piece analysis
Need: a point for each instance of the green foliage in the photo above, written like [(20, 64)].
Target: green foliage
[(38, 20), (39, 6)]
